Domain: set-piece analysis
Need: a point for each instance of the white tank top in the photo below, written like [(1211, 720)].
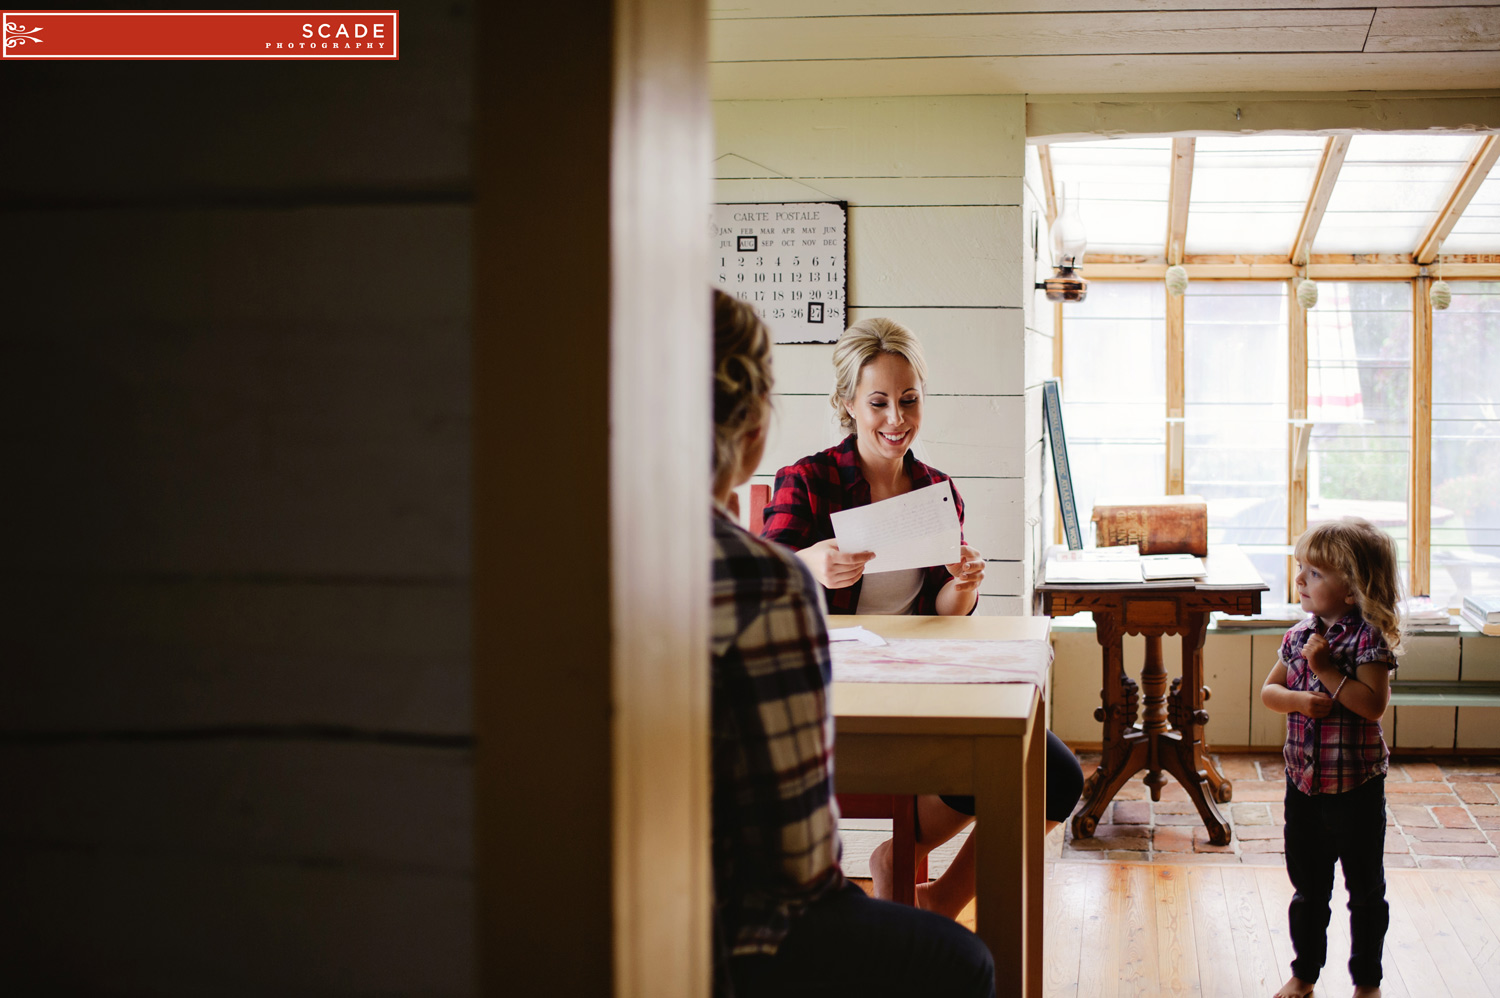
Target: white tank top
[(889, 592)]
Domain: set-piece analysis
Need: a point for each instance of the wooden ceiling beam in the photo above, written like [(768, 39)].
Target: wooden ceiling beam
[(1334, 151), (1474, 174), (1178, 196), (1044, 153)]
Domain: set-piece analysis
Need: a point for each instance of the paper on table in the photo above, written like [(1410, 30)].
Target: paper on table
[(859, 634), (1121, 563), (916, 530), (1172, 566), (1113, 571)]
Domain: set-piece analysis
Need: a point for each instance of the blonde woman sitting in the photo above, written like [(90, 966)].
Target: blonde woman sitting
[(879, 391)]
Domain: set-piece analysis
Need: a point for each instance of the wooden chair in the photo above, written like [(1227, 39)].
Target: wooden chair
[(906, 869)]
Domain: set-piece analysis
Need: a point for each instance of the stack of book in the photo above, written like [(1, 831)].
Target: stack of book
[(1422, 614), (1482, 612)]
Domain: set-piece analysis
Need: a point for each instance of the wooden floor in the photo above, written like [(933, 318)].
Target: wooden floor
[(1134, 929)]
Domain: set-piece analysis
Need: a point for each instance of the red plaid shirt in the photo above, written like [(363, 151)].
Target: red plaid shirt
[(809, 492), (1333, 754)]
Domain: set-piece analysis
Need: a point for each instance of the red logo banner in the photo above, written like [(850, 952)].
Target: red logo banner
[(199, 34)]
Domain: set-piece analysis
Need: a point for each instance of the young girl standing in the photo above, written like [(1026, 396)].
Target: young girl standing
[(1333, 681)]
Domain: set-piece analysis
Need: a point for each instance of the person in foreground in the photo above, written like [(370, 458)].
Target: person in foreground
[(786, 921), (880, 382), (1333, 681)]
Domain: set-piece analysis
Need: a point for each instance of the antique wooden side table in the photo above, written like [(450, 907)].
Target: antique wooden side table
[(1169, 735)]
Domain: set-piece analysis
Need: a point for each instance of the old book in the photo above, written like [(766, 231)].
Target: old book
[(1485, 606), (1166, 525), (1480, 624)]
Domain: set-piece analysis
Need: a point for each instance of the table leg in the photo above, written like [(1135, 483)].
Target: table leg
[(1154, 722), (1000, 857), (1034, 829), (1181, 752), (1191, 717), (1125, 751), (1177, 759)]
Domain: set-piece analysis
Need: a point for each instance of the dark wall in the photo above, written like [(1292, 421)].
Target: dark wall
[(235, 752)]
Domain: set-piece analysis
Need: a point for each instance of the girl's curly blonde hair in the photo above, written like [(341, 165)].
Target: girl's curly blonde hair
[(1364, 558), (742, 380)]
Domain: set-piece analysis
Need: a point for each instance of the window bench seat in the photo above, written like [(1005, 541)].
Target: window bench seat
[(1426, 693)]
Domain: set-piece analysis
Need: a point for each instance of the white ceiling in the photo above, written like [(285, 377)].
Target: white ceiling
[(851, 48)]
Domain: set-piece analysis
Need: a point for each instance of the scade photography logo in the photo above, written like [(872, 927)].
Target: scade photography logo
[(200, 34), (337, 35)]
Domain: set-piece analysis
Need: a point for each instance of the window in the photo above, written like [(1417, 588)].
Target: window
[(1369, 404), (1235, 395), (1466, 442), (1114, 391), (1359, 404), (1389, 188), (1120, 189), (1249, 192)]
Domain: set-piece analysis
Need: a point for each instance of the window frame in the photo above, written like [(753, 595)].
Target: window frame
[(1419, 473)]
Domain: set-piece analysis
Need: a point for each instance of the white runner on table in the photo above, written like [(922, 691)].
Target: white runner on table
[(941, 660)]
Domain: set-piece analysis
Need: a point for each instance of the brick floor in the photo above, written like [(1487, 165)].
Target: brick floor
[(1442, 813)]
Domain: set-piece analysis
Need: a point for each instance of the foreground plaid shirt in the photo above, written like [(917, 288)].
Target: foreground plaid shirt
[(775, 825), (1333, 754), (809, 492)]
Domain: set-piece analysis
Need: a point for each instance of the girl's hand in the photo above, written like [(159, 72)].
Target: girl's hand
[(1317, 704), (968, 571), (1316, 651), (833, 568)]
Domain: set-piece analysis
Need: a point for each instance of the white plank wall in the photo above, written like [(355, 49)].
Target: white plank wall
[(936, 242), (1036, 256), (235, 727)]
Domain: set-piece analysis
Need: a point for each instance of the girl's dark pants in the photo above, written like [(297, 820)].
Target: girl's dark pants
[(1347, 828)]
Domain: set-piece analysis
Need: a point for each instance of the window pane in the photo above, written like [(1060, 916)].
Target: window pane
[(1121, 191), (1389, 190), (1114, 391), (1358, 399), (1249, 192), (1235, 370), (1478, 228), (1466, 442)]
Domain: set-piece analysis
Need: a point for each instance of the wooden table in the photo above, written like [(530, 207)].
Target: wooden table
[(988, 740), (1169, 737)]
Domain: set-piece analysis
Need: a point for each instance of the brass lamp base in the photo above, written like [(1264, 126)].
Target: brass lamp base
[(1065, 285)]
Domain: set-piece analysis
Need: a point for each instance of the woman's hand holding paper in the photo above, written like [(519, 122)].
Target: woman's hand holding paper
[(833, 568), (968, 571)]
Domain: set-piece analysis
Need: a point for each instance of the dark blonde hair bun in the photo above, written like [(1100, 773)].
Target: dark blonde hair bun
[(742, 379)]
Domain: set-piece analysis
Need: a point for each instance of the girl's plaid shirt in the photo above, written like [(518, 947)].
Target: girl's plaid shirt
[(1333, 754)]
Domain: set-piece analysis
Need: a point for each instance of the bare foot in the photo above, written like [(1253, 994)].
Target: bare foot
[(1366, 992), (880, 871), (1295, 987), (932, 897)]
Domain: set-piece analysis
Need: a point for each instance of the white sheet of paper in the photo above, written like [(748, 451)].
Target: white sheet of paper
[(859, 634), (916, 530)]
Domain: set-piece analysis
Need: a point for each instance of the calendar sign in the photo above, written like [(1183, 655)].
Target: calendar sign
[(790, 262)]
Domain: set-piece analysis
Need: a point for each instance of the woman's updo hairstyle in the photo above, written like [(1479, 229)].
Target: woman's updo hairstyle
[(1364, 557), (742, 379), (862, 343)]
